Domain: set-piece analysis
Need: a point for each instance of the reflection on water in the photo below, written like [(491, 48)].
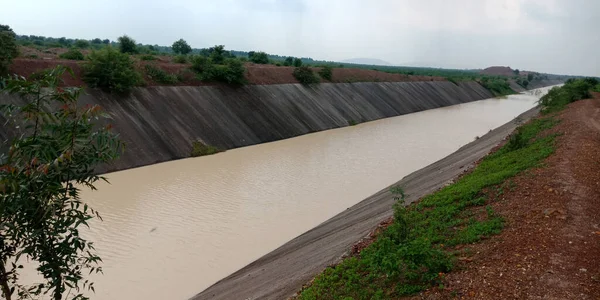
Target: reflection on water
[(172, 229)]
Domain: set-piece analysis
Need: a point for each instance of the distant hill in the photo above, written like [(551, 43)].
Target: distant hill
[(367, 61), (498, 71)]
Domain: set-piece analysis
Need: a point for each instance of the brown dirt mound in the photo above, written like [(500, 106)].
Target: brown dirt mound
[(33, 60), (498, 71), (550, 248)]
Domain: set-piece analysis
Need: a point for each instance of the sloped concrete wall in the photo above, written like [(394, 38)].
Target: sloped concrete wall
[(160, 123)]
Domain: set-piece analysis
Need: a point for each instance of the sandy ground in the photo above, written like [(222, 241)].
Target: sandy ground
[(279, 274), (550, 248)]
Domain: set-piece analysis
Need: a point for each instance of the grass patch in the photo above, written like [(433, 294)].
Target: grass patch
[(72, 54), (160, 76), (414, 252), (499, 86), (148, 57), (200, 149)]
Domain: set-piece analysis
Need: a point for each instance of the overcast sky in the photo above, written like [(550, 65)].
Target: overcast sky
[(554, 36)]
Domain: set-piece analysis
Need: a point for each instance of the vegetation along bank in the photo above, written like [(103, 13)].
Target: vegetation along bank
[(524, 219)]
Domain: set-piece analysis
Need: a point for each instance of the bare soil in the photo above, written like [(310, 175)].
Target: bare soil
[(550, 247), (32, 60), (498, 71)]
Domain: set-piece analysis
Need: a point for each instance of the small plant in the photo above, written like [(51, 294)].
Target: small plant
[(148, 57), (160, 76), (72, 54), (305, 75), (180, 59), (326, 72), (200, 149), (516, 141), (352, 123), (111, 70)]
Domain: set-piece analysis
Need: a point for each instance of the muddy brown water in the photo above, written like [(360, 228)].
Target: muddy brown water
[(172, 229)]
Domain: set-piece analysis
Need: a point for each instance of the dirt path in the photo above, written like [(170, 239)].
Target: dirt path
[(550, 248), (282, 272)]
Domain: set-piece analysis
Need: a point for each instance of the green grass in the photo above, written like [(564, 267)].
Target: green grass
[(200, 149), (414, 252), (160, 76)]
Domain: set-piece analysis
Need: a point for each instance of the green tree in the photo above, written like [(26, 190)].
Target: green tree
[(305, 75), (106, 41), (218, 54), (326, 72), (82, 44), (96, 41), (8, 48), (181, 47), (127, 45), (231, 71), (258, 57), (63, 41), (529, 77), (56, 147), (288, 61), (297, 62), (110, 70)]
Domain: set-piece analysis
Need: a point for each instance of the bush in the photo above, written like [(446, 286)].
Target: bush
[(127, 45), (110, 70), (8, 48), (573, 90), (288, 61), (258, 57), (232, 71), (498, 86), (82, 44), (218, 54), (181, 47), (199, 149), (326, 72), (160, 76), (147, 57), (72, 54), (297, 62), (180, 59), (305, 75)]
